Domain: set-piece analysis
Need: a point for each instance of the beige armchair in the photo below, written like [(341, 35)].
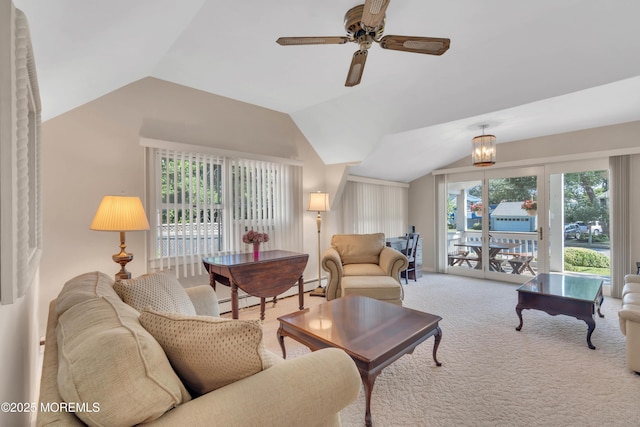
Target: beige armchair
[(362, 264)]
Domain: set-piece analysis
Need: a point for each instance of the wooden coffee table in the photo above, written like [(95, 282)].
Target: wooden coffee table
[(374, 333), (555, 294)]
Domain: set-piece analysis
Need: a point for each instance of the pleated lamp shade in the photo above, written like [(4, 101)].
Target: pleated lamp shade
[(120, 213)]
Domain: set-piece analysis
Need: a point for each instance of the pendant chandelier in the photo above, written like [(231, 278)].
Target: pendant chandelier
[(484, 149)]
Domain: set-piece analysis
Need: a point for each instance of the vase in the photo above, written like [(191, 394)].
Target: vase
[(532, 212), (256, 250)]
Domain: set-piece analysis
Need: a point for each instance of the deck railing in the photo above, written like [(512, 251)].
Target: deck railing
[(526, 243)]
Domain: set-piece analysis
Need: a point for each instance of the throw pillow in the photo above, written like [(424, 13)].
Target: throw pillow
[(208, 352), (159, 291)]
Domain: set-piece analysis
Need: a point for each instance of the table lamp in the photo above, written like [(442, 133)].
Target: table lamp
[(120, 213), (318, 202)]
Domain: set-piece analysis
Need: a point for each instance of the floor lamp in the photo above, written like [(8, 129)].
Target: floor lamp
[(318, 202)]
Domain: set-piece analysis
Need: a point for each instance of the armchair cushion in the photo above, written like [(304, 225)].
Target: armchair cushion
[(359, 248), (159, 291), (364, 270), (208, 352)]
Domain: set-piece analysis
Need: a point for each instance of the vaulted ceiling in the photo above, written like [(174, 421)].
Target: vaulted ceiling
[(527, 69)]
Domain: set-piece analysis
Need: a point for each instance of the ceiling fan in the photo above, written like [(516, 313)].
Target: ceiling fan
[(364, 24)]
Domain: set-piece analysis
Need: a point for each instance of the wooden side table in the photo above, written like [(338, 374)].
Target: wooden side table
[(268, 275)]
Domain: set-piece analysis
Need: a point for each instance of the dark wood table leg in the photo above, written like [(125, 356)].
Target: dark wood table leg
[(599, 301), (368, 380), (301, 293), (519, 313), (234, 300), (591, 324), (281, 341), (262, 307), (437, 338)]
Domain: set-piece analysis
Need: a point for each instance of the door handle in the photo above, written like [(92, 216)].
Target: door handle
[(540, 233)]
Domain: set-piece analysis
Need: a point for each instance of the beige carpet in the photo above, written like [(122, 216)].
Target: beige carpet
[(492, 375)]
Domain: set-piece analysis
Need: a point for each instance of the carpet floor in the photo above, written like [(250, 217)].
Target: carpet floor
[(492, 375)]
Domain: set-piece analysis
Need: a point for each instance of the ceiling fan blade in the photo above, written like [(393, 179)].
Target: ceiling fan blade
[(357, 68), (428, 45), (373, 13), (294, 41)]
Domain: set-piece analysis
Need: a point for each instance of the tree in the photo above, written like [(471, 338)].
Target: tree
[(581, 191), (515, 189)]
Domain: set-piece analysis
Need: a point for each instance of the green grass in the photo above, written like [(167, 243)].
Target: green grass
[(591, 270)]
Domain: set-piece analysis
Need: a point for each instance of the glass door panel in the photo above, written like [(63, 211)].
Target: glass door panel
[(579, 219), (464, 223), (493, 222), (513, 236)]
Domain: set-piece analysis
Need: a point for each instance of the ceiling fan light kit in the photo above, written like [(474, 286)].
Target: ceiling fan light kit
[(484, 149), (364, 25)]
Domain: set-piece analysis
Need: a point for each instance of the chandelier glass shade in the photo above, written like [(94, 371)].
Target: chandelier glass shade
[(484, 149)]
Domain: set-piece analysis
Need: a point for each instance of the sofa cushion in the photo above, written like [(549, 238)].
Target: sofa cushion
[(83, 288), (106, 358), (208, 352), (359, 248), (159, 291)]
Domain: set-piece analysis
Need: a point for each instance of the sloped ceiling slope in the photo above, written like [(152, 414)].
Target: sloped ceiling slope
[(527, 69)]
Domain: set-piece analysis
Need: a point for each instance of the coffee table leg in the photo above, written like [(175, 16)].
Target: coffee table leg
[(592, 325), (437, 337), (367, 381), (519, 312), (281, 341)]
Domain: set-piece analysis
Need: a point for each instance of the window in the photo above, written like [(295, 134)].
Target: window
[(374, 206), (204, 202)]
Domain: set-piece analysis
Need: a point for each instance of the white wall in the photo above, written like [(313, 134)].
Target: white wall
[(422, 192), (20, 356), (94, 150)]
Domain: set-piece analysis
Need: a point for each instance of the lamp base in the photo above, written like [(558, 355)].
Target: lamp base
[(122, 258), (318, 292)]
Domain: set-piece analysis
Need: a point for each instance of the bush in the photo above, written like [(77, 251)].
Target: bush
[(601, 238), (581, 257)]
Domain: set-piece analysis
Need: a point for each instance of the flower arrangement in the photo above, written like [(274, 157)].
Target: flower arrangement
[(529, 205), (476, 207), (255, 237)]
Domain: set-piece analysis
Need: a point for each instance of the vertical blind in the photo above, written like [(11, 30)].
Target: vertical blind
[(204, 203), (375, 208)]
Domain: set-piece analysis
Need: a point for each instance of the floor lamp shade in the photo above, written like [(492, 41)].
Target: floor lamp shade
[(120, 213), (318, 202)]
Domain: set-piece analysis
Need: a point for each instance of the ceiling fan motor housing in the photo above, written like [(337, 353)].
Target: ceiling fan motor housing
[(353, 25)]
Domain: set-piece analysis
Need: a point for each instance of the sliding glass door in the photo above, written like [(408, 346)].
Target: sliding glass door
[(579, 222), (494, 222), (510, 224)]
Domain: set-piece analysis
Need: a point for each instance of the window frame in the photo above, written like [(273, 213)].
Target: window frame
[(233, 226)]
